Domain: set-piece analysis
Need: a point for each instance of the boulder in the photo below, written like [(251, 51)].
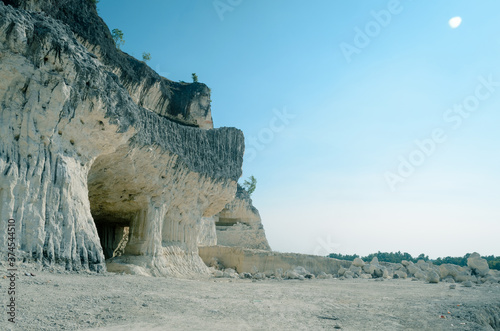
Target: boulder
[(413, 269), (463, 276), (406, 263), (420, 275), (478, 265), (349, 274), (355, 270), (369, 268), (290, 274), (448, 270), (323, 275), (301, 271), (246, 275), (230, 273), (378, 272), (399, 266), (449, 279), (259, 276), (215, 263), (358, 262), (490, 278), (399, 274), (467, 283), (423, 265), (432, 277)]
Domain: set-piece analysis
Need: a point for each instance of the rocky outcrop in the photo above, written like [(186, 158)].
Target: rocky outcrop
[(239, 224), (260, 264), (86, 151), (478, 265), (188, 104), (254, 261)]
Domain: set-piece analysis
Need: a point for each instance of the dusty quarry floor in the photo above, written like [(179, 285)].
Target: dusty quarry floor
[(63, 301)]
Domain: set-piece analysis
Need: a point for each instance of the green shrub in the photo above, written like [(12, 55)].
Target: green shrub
[(146, 57), (250, 184), (117, 35)]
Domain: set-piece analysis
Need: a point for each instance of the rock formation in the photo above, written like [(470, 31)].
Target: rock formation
[(238, 262), (253, 261), (239, 224), (92, 141)]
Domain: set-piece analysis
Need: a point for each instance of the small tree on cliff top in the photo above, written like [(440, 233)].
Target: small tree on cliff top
[(250, 184), (146, 57)]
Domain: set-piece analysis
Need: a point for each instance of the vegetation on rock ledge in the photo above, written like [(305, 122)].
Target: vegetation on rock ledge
[(250, 184), (117, 35)]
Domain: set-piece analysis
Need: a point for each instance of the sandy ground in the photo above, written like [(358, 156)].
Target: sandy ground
[(63, 301)]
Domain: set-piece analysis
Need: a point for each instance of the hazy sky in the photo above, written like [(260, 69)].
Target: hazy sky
[(369, 125)]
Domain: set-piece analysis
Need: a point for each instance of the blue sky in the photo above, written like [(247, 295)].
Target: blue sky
[(327, 133)]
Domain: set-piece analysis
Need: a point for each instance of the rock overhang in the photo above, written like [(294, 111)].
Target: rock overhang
[(73, 131)]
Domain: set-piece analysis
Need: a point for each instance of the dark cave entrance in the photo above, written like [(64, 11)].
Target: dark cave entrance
[(113, 204), (113, 237), (225, 222)]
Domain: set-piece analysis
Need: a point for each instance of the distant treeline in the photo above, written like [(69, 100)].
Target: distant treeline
[(493, 261)]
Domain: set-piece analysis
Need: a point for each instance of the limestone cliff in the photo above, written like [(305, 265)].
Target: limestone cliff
[(188, 104), (88, 145), (239, 224)]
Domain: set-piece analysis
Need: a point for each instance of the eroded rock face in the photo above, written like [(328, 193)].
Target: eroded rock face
[(83, 150), (239, 224), (245, 260), (188, 104)]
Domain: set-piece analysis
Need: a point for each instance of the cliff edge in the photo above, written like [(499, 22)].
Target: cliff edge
[(94, 144)]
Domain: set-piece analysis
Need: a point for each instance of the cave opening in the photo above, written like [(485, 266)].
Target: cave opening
[(114, 203), (227, 222), (113, 237)]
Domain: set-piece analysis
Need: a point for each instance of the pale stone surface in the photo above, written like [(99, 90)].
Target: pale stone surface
[(253, 261), (78, 153), (324, 275), (369, 269), (400, 274), (433, 277), (239, 224), (478, 265), (357, 262), (301, 270), (355, 270), (207, 235), (115, 302), (185, 103)]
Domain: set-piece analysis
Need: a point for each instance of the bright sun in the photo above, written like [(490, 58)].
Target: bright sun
[(455, 22)]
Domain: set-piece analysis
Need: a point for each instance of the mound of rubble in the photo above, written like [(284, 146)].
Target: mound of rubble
[(271, 265)]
